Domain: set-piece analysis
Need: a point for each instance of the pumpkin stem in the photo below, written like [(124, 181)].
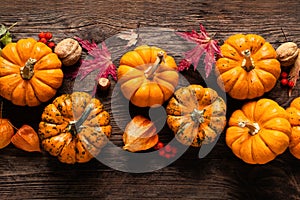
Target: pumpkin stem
[(247, 63), (27, 70), (253, 127), (197, 115), (149, 72), (76, 125)]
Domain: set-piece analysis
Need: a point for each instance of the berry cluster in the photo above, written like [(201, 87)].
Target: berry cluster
[(45, 37), (167, 151), (285, 80)]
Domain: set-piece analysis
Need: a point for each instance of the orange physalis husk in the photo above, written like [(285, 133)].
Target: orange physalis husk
[(140, 134), (6, 132), (26, 139)]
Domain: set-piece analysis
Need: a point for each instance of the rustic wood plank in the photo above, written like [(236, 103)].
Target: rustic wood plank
[(220, 175)]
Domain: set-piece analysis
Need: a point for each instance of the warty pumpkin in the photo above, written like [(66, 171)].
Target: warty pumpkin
[(147, 76), (294, 117), (259, 131), (196, 115), (248, 68), (30, 73), (74, 127)]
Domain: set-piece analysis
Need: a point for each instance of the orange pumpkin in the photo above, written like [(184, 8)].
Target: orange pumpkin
[(6, 130), (30, 73), (196, 115), (294, 117), (147, 76), (259, 131), (74, 127), (248, 68)]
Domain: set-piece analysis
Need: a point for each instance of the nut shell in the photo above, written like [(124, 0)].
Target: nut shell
[(287, 53), (69, 51)]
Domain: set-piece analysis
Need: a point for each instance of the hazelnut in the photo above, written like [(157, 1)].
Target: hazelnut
[(69, 51), (103, 84), (287, 53)]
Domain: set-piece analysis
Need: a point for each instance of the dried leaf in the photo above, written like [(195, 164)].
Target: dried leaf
[(205, 44), (131, 36), (101, 61), (140, 134), (294, 73), (26, 139)]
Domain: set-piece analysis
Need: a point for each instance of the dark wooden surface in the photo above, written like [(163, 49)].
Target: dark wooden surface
[(220, 175)]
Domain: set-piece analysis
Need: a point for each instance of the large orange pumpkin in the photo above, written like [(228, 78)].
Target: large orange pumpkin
[(74, 127), (259, 131), (147, 76), (248, 68), (30, 73)]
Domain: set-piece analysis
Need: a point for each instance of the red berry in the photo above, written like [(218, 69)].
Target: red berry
[(168, 156), (168, 148), (41, 35), (284, 75), (291, 84), (162, 152), (174, 151), (43, 40), (51, 45), (48, 35), (159, 145), (284, 81)]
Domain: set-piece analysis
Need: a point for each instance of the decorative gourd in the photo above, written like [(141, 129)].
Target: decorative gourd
[(248, 68), (196, 115), (6, 130), (147, 76), (30, 73), (259, 131), (74, 127), (294, 117)]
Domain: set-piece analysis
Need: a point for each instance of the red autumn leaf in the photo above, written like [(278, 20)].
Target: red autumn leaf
[(101, 61), (204, 44)]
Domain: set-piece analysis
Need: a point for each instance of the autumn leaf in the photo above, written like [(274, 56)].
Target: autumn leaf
[(204, 45), (5, 35), (100, 61), (131, 36)]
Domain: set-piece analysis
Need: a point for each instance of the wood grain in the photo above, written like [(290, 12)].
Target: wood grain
[(220, 175)]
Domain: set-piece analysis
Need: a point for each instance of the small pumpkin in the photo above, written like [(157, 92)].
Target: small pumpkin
[(294, 117), (248, 68), (30, 73), (6, 130), (259, 131), (196, 115), (74, 127), (147, 76)]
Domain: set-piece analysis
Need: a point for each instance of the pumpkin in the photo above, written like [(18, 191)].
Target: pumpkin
[(196, 115), (147, 76), (248, 68), (74, 127), (6, 130), (259, 131), (30, 73), (294, 117)]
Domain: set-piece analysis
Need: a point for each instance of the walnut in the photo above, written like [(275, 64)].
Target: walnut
[(69, 51), (287, 53)]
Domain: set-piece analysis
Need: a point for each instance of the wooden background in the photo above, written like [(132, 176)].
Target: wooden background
[(220, 175)]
